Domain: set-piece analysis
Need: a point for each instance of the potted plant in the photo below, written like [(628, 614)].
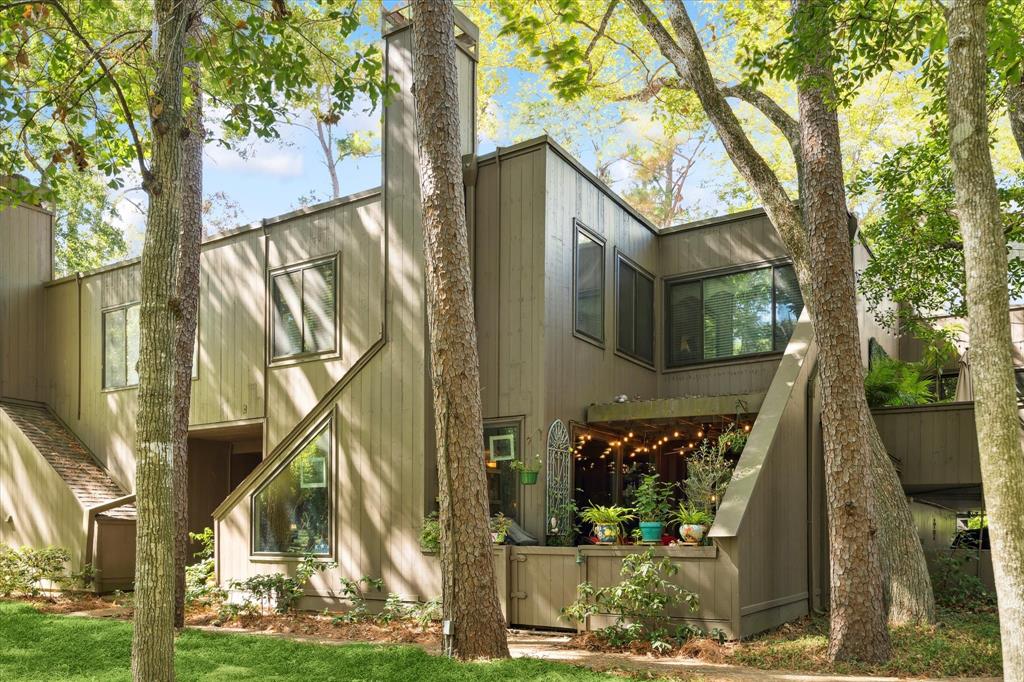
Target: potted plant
[(528, 471), (499, 528), (693, 523), (607, 521), (651, 502)]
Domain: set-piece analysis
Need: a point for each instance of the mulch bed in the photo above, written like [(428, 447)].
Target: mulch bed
[(705, 649)]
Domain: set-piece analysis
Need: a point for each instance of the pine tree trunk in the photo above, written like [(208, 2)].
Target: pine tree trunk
[(470, 598), (153, 633), (858, 629), (985, 260), (188, 301)]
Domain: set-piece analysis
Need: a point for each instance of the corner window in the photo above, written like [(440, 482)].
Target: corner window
[(304, 309), (501, 449), (634, 311), (121, 346), (731, 315), (588, 284), (291, 512)]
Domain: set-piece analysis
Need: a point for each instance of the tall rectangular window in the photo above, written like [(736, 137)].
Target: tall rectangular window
[(732, 315), (121, 346), (588, 284), (304, 307), (634, 311)]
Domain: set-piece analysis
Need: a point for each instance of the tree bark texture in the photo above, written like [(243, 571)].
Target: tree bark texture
[(188, 303), (1015, 110), (905, 571), (153, 634), (985, 260), (857, 618), (470, 598)]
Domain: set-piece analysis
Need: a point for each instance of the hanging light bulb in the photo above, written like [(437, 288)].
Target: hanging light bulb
[(700, 433), (630, 434), (746, 427), (676, 434)]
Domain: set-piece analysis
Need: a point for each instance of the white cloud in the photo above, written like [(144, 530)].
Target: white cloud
[(258, 157)]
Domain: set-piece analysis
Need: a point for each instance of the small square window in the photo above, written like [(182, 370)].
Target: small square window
[(304, 309)]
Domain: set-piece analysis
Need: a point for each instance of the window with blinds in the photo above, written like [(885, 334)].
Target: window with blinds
[(732, 315), (121, 346), (304, 306), (588, 284), (634, 311)]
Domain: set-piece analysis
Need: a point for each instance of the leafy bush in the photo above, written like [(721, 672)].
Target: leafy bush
[(956, 589), (277, 590), (640, 603), (891, 383), (200, 578), (708, 470), (22, 570), (499, 527), (651, 499), (430, 533), (422, 613), (353, 592)]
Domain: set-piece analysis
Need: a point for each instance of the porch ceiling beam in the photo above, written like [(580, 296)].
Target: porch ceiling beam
[(674, 408)]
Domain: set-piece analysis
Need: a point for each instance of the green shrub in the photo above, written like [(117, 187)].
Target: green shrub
[(430, 533), (708, 470), (200, 578), (640, 603), (277, 590), (891, 383), (956, 589), (422, 613), (352, 590), (23, 570)]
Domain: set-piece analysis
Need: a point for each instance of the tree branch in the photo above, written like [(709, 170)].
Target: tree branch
[(691, 65)]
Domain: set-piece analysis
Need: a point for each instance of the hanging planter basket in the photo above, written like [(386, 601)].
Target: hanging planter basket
[(528, 477)]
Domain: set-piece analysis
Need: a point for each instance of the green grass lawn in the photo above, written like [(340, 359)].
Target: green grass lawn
[(35, 646), (960, 644)]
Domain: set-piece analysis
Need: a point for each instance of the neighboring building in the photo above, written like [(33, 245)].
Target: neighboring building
[(312, 416)]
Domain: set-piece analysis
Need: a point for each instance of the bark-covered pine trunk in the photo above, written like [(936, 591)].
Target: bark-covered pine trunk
[(469, 593), (985, 260), (857, 617), (153, 632), (188, 301), (905, 571)]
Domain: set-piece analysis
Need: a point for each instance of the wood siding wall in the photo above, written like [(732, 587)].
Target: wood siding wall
[(25, 265), (36, 507), (936, 445)]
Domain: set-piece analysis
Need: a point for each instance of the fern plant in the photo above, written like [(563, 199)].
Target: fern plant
[(891, 383)]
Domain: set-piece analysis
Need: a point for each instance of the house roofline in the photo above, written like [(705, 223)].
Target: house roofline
[(234, 232)]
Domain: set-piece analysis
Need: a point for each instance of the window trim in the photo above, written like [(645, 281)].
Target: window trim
[(579, 227), (620, 257), (712, 273), (334, 351), (293, 452), (103, 345)]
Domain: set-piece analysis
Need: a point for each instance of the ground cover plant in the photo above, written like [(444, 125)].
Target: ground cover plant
[(34, 647)]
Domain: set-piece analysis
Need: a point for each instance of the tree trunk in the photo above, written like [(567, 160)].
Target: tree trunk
[(188, 302), (153, 634), (470, 598), (1015, 110), (905, 570), (325, 138), (985, 260), (857, 629)]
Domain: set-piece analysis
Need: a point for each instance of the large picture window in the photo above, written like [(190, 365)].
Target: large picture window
[(304, 309), (291, 512), (731, 315), (121, 346), (634, 311), (588, 284)]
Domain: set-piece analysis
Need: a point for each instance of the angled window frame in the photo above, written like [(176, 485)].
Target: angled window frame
[(314, 432), (580, 228), (620, 260), (699, 277), (303, 356)]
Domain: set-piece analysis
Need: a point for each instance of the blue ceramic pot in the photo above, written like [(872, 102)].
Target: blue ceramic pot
[(650, 531), (606, 534)]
